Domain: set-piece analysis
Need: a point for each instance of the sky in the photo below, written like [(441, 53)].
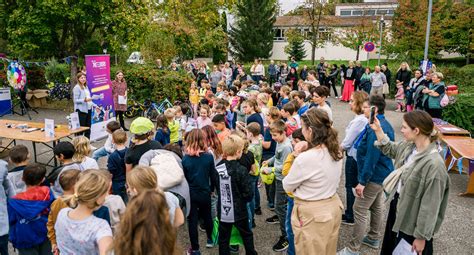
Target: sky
[(288, 5)]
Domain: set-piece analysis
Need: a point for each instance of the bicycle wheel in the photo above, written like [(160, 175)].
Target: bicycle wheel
[(131, 112), (151, 113)]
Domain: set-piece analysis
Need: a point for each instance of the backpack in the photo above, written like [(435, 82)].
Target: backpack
[(444, 100), (168, 170)]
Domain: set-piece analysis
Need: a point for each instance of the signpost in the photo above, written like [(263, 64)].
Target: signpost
[(369, 47)]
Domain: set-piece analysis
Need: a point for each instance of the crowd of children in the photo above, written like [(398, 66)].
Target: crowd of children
[(204, 166)]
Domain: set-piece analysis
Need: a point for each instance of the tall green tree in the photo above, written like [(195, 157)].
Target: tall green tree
[(252, 35), (355, 37), (295, 47), (458, 29)]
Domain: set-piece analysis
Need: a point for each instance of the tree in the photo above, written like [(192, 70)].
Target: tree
[(252, 35), (458, 29), (409, 28), (295, 47), (39, 29), (314, 11), (355, 37)]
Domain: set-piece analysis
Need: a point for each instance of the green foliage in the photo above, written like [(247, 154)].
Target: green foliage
[(460, 113), (56, 72), (458, 29), (158, 43), (35, 77), (295, 47), (462, 77), (147, 82), (252, 35)]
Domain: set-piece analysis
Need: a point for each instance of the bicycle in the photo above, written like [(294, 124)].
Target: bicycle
[(186, 108), (154, 109), (134, 109)]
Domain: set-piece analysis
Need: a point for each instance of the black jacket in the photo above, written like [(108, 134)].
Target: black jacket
[(242, 192), (404, 76)]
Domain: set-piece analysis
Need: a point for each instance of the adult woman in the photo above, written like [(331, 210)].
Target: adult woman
[(293, 78), (216, 77), (251, 109), (83, 102), (145, 227), (349, 79), (317, 211), (119, 89), (420, 184), (403, 75), (433, 95), (365, 84), (227, 74), (257, 71), (283, 73), (359, 104), (413, 86)]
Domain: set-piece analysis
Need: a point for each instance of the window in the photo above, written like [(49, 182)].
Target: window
[(357, 13), (381, 12), (370, 12), (346, 12), (390, 12), (278, 35)]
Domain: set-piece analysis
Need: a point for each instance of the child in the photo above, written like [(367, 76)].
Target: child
[(78, 231), (400, 98), (142, 130), (194, 98), (283, 149), (67, 181), (116, 164), (143, 178), (19, 157), (63, 151), (199, 170), (113, 203), (108, 147), (255, 146), (6, 190), (203, 119), (284, 96), (162, 131), (137, 233), (182, 120), (220, 126), (320, 95), (83, 149), (269, 93), (298, 146), (287, 112), (220, 89), (28, 213), (268, 151), (233, 194), (173, 125)]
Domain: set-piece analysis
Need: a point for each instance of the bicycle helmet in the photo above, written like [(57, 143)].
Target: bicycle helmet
[(141, 126)]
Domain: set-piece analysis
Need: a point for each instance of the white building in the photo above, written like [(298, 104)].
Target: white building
[(346, 16)]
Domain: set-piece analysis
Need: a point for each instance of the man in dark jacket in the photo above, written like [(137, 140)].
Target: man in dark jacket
[(359, 71), (234, 190), (321, 72)]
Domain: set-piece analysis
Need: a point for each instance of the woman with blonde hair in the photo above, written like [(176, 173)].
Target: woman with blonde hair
[(143, 178), (145, 227), (82, 148), (83, 102), (78, 231), (403, 76)]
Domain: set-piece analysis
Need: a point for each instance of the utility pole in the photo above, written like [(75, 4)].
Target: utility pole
[(382, 23), (428, 27)]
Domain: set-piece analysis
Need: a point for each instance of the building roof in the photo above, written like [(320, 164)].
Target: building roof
[(326, 20)]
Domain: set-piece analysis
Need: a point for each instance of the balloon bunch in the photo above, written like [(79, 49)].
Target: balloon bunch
[(16, 75)]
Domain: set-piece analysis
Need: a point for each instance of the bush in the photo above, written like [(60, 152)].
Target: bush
[(460, 113), (35, 77), (147, 82), (463, 77), (56, 72)]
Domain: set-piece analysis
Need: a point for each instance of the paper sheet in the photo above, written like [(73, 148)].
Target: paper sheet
[(49, 127), (122, 100), (403, 248)]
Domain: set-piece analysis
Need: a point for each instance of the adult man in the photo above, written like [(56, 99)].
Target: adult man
[(373, 167), (159, 65), (377, 79), (321, 71), (273, 72), (359, 71)]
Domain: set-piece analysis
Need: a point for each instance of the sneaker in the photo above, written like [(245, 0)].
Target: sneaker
[(281, 245), (271, 206), (192, 252), (209, 243), (347, 251), (347, 221), (258, 211), (234, 248), (371, 243), (273, 220)]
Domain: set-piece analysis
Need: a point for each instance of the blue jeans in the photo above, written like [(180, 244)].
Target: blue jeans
[(99, 153), (289, 231), (257, 195), (118, 188), (251, 204), (351, 181)]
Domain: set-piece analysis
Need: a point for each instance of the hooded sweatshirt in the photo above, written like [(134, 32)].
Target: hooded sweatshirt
[(28, 214)]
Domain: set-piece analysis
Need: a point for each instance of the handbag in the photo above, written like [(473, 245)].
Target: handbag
[(385, 89)]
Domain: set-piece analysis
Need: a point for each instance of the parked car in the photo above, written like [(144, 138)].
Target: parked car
[(135, 58)]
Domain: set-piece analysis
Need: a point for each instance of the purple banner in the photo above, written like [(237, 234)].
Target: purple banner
[(98, 81)]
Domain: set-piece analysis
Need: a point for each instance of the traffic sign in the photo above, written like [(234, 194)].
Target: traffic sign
[(369, 46)]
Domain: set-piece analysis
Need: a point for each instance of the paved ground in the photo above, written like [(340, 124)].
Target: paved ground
[(455, 237)]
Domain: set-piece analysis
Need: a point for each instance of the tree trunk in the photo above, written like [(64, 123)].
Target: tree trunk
[(73, 79), (357, 55), (313, 53)]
